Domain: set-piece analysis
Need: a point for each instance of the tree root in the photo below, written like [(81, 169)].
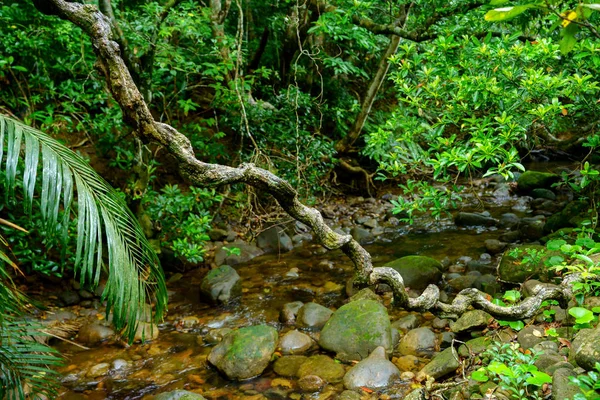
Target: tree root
[(137, 114)]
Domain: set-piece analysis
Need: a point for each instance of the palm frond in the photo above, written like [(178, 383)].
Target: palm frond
[(24, 362), (134, 271)]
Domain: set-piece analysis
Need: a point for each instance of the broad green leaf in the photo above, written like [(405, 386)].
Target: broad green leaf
[(582, 315), (539, 378), (568, 40), (512, 296), (499, 368), (555, 244), (480, 375), (506, 13)]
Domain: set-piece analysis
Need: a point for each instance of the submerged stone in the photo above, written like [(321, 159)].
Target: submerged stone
[(179, 395), (417, 271), (356, 329), (322, 366), (245, 353), (313, 316)]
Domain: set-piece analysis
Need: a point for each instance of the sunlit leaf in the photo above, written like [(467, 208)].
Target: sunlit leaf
[(506, 13)]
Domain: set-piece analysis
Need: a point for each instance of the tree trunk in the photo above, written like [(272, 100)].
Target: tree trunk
[(344, 145)]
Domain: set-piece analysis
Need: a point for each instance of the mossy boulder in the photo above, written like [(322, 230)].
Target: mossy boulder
[(442, 364), (245, 353), (530, 180), (567, 218), (221, 285), (516, 270), (417, 271), (356, 329), (322, 366)]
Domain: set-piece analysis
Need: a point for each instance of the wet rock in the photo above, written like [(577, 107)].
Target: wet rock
[(365, 294), (145, 332), (69, 298), (439, 323), (313, 316), (245, 353), (356, 329), (322, 366), (59, 315), (567, 217), (119, 364), (532, 228), (374, 372), (221, 285), (446, 339), (530, 180), (311, 383), (94, 333), (178, 395), (417, 394), (514, 270), (289, 311), (462, 282), (511, 237), (217, 234), (274, 239), (471, 320), (214, 336), (361, 235), (474, 346), (562, 388), (247, 253), (349, 395), (411, 321), (529, 336), (98, 370), (417, 271), (547, 360), (408, 363), (474, 219), (288, 365), (541, 193), (295, 342), (586, 347), (419, 342), (442, 364), (494, 246), (509, 220), (488, 284)]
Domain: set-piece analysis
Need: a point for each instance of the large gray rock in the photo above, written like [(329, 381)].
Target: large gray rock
[(178, 395), (247, 253), (562, 388), (289, 311), (474, 219), (274, 239), (530, 180), (245, 353), (295, 342), (374, 372), (471, 320), (586, 347), (313, 316), (419, 342), (356, 329), (442, 364), (514, 270), (417, 271), (221, 285)]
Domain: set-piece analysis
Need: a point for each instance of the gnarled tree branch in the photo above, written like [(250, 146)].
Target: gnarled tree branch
[(136, 112)]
